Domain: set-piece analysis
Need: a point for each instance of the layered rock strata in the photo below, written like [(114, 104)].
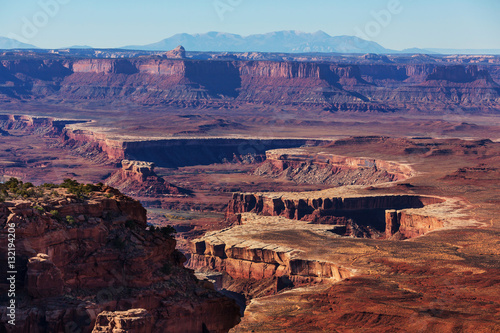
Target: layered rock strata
[(236, 252), (279, 235), (365, 210), (338, 85), (304, 167), (176, 152)]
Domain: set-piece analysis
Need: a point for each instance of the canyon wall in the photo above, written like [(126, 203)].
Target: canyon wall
[(247, 260), (334, 86), (177, 152), (375, 212), (174, 152), (253, 248)]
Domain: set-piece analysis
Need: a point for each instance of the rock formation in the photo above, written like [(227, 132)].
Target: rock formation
[(322, 168), (256, 248), (174, 152), (131, 321), (178, 53), (362, 85), (236, 253), (139, 179), (362, 215), (85, 249), (43, 278)]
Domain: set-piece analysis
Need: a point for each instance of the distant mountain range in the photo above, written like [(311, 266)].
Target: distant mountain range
[(279, 41), (9, 44)]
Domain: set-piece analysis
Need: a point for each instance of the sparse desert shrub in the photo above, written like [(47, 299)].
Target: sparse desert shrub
[(69, 183), (39, 208), (168, 231), (55, 214), (12, 183), (70, 219), (80, 190)]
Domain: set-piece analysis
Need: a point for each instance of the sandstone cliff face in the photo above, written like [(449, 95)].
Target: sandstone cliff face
[(336, 86), (175, 152), (76, 258), (235, 252), (372, 216), (277, 239)]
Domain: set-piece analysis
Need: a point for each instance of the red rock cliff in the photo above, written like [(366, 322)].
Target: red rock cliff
[(78, 257), (337, 86)]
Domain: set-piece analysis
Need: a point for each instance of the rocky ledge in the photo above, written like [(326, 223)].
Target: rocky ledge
[(288, 234), (304, 167), (84, 255)]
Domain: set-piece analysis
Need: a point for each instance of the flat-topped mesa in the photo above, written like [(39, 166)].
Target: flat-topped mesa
[(295, 235), (174, 151), (234, 252), (362, 216), (302, 167)]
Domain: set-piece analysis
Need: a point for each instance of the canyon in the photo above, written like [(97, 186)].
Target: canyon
[(307, 192)]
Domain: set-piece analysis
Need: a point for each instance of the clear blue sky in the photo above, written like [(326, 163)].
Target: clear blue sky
[(115, 23)]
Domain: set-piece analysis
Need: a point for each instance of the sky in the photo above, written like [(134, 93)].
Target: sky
[(395, 24)]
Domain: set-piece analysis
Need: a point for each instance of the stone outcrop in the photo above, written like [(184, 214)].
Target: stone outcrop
[(102, 147), (294, 237), (131, 321), (43, 278), (178, 53), (139, 178), (30, 124), (77, 257), (322, 168), (409, 223)]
